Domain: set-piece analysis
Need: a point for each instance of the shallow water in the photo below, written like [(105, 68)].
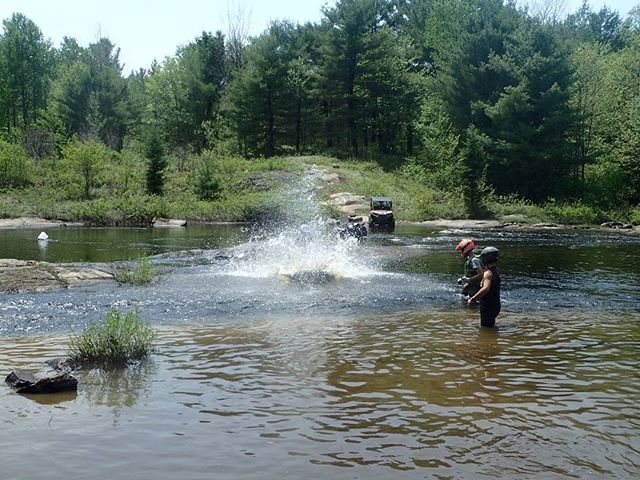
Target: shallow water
[(403, 395), (293, 353)]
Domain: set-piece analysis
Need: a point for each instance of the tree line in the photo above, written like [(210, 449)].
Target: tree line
[(476, 95)]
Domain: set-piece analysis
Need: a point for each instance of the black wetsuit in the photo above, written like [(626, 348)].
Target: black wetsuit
[(490, 303)]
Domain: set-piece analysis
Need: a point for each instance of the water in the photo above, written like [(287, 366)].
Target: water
[(291, 353)]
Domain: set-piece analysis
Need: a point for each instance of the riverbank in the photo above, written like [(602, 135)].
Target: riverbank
[(252, 190)]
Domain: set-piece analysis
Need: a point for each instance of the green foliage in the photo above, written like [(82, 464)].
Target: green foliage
[(142, 273), (634, 216), (25, 69), (575, 213), (467, 98), (14, 165), (121, 337), (83, 163)]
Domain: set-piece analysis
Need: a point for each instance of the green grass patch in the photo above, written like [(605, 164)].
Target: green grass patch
[(142, 273), (120, 338)]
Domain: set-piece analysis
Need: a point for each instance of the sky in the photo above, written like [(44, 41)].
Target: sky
[(147, 30)]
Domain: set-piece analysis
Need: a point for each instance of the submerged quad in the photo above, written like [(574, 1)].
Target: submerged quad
[(381, 214)]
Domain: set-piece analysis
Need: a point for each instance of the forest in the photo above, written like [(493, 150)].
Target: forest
[(483, 104)]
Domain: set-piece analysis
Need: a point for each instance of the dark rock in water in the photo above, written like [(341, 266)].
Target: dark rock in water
[(310, 277), (26, 382)]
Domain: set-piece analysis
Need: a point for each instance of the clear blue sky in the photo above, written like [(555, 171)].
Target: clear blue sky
[(144, 30)]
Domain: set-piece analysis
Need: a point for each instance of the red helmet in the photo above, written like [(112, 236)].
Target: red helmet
[(465, 246)]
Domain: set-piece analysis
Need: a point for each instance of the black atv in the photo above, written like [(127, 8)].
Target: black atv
[(381, 215)]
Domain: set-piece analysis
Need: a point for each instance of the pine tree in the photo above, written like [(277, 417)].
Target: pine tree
[(154, 152)]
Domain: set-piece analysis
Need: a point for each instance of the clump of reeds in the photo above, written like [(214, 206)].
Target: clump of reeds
[(143, 272), (120, 338)]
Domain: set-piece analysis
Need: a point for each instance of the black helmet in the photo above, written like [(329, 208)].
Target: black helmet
[(489, 255)]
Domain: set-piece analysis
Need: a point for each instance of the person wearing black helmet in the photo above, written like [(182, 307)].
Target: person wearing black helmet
[(489, 293)]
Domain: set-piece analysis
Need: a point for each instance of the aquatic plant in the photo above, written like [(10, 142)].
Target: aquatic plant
[(120, 338), (141, 274)]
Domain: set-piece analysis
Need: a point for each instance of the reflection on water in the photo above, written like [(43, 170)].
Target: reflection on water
[(402, 394)]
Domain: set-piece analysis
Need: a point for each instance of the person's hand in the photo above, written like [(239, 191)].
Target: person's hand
[(471, 301)]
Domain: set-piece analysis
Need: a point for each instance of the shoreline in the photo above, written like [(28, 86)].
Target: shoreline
[(466, 224)]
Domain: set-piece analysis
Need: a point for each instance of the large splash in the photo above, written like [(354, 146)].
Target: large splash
[(304, 247)]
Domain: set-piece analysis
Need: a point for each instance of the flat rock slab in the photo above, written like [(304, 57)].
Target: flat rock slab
[(33, 222), (25, 276), (168, 223), (463, 223), (349, 203), (26, 382)]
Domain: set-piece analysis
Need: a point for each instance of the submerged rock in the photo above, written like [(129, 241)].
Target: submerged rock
[(26, 382)]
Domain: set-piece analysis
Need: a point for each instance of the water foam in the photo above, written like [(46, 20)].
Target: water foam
[(305, 246)]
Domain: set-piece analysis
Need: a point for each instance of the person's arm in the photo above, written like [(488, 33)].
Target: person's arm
[(476, 277), (486, 285)]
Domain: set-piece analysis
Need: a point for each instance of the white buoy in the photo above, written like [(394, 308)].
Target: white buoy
[(43, 236)]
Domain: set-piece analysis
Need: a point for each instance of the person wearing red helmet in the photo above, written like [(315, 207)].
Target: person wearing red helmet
[(472, 267)]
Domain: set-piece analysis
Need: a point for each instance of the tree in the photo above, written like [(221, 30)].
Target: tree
[(25, 67), (167, 107), (203, 65), (506, 77), (154, 152), (85, 161), (109, 90), (14, 165), (260, 96)]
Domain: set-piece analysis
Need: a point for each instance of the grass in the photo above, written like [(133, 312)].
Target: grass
[(120, 338), (141, 274)]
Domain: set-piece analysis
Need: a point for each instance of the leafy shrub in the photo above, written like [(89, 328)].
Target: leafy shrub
[(121, 337), (634, 217), (84, 163), (143, 272), (575, 213), (208, 185)]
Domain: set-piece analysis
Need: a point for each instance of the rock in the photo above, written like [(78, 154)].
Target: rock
[(64, 364), (330, 177), (620, 225), (72, 276), (26, 382), (33, 222), (168, 222), (546, 225), (349, 204), (20, 276)]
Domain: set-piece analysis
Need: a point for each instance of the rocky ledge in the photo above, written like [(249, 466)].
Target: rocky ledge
[(23, 276)]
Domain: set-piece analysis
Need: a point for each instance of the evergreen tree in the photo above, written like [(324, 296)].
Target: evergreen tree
[(154, 152)]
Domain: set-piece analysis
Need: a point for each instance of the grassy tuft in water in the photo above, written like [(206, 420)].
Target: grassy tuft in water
[(141, 274), (121, 337)]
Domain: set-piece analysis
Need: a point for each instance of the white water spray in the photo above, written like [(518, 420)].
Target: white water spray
[(306, 249)]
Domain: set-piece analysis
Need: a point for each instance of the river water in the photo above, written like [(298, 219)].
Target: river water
[(295, 354)]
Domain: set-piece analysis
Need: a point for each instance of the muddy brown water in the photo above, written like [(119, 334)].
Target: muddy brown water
[(254, 376)]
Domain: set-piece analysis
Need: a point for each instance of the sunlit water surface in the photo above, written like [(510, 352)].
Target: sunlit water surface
[(292, 353)]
